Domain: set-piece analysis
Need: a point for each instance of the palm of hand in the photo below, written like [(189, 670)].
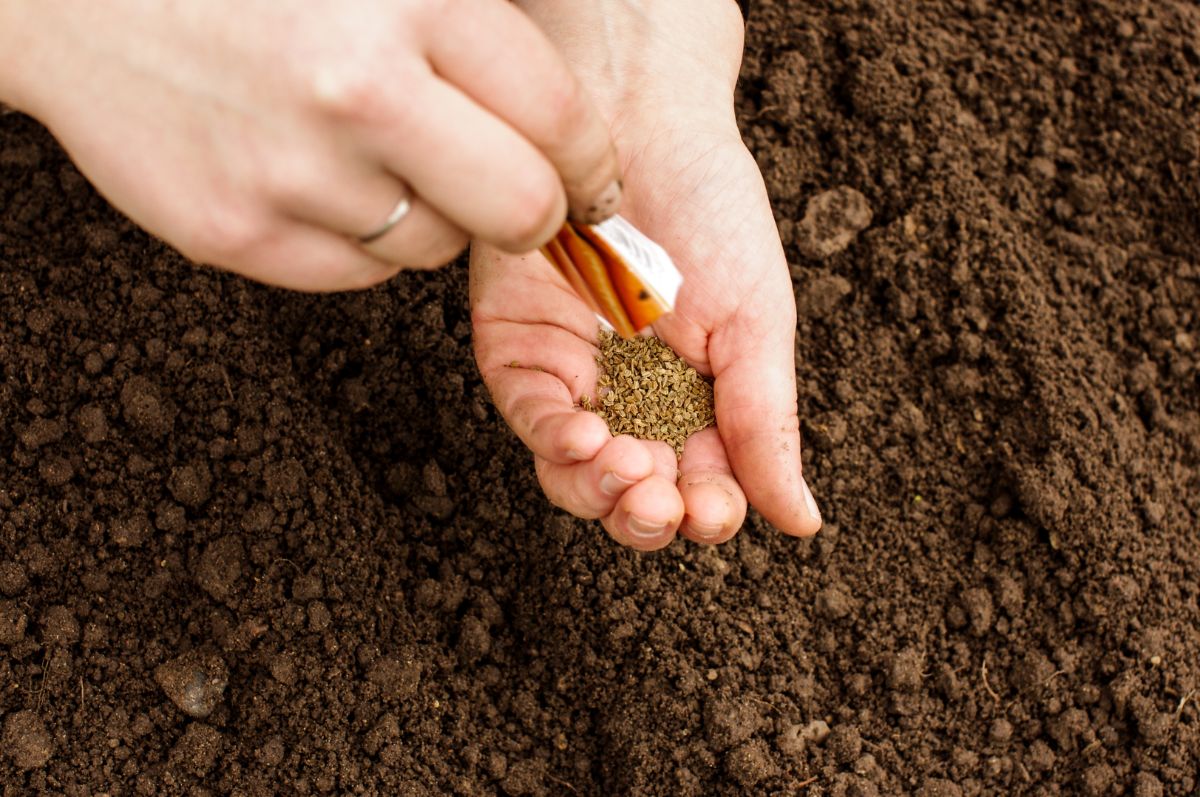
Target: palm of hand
[(702, 198)]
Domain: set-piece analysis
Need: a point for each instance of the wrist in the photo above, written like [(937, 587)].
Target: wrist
[(677, 57)]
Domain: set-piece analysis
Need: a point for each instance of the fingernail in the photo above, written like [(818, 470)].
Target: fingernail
[(645, 529), (575, 455), (605, 205), (706, 530), (809, 501), (613, 485)]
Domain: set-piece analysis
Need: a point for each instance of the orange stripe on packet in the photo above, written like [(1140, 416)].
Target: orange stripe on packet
[(641, 302), (555, 253), (595, 273)]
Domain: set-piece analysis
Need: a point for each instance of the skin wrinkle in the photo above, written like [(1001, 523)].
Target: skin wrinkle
[(566, 378), (723, 350), (548, 277), (571, 498), (699, 218), (518, 408), (483, 318)]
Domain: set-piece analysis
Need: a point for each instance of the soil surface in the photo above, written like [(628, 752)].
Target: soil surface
[(254, 542)]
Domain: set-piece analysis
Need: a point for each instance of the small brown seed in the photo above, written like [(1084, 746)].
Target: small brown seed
[(647, 391)]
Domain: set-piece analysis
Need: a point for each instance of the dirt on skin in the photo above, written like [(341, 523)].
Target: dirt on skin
[(299, 519)]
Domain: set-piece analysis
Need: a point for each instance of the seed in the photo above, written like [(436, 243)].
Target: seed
[(648, 391)]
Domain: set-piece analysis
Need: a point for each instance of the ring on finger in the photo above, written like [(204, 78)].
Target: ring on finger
[(402, 209)]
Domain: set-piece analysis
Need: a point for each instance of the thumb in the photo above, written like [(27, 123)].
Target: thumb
[(755, 393)]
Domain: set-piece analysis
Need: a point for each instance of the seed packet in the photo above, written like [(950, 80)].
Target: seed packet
[(626, 279)]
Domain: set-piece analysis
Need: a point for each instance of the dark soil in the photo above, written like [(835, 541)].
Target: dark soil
[(257, 543)]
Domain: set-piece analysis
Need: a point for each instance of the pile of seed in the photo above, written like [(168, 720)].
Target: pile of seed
[(647, 391)]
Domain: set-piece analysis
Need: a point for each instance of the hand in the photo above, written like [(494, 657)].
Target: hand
[(691, 185), (267, 137)]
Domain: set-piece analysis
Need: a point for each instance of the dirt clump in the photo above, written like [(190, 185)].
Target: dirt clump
[(197, 749), (13, 621), (26, 740), (831, 221)]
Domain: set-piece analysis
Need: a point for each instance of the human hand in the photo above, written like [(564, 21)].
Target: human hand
[(691, 185), (269, 137)]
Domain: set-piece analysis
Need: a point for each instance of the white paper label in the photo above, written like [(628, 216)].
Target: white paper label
[(647, 260)]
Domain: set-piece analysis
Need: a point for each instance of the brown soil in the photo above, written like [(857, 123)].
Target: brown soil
[(257, 543)]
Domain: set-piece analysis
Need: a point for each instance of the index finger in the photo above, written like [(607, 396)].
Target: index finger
[(497, 56)]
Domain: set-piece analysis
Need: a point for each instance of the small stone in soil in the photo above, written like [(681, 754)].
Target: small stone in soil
[(815, 732), (195, 681)]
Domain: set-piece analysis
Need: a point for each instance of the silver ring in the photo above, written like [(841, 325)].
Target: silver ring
[(395, 217)]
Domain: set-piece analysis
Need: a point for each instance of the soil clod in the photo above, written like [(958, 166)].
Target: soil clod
[(831, 221), (26, 740)]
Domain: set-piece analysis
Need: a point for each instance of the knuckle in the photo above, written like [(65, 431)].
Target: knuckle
[(520, 416), (537, 211), (358, 93), (224, 237), (345, 95), (292, 181)]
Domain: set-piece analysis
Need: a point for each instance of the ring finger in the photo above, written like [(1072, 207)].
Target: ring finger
[(421, 238)]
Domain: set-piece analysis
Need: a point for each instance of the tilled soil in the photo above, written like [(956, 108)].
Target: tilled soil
[(256, 543)]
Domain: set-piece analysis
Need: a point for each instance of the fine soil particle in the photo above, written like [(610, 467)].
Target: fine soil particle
[(648, 391), (998, 376)]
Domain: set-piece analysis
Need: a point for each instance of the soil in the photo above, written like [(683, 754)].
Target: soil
[(253, 542)]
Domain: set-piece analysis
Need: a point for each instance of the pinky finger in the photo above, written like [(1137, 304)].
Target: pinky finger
[(306, 258)]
